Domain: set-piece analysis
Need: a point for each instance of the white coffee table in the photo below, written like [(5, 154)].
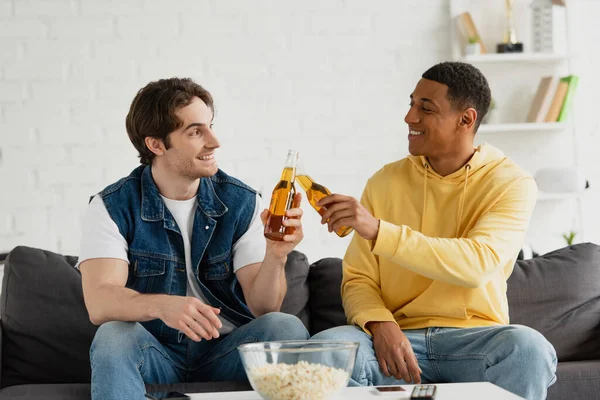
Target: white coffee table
[(445, 391)]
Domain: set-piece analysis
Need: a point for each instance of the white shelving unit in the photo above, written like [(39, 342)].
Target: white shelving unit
[(515, 58), (523, 127), (514, 78)]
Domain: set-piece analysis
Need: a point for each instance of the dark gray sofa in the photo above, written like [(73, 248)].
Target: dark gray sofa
[(46, 334)]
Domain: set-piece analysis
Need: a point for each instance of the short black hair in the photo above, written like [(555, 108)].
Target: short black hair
[(467, 87)]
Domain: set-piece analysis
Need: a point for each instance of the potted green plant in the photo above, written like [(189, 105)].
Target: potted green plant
[(570, 237), (473, 47)]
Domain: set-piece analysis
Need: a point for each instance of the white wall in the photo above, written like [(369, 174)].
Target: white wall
[(330, 78)]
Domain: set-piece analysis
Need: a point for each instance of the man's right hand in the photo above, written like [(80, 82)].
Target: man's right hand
[(190, 316), (394, 352)]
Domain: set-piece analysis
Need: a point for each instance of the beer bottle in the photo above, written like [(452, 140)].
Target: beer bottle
[(314, 193), (282, 200)]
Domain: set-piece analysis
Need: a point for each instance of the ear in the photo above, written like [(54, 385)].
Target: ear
[(468, 119), (155, 145)]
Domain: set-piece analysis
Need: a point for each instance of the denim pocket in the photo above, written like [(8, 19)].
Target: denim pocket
[(147, 275), (218, 268), (217, 277)]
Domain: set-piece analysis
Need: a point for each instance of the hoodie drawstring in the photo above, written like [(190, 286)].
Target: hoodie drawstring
[(424, 197), (462, 198)]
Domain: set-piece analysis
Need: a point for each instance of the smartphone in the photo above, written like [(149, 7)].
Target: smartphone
[(390, 390), (167, 395)]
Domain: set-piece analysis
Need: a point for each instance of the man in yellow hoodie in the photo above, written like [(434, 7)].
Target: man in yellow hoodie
[(437, 235)]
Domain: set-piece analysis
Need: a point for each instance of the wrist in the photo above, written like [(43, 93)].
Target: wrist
[(155, 306), (274, 258), (375, 326), (374, 230)]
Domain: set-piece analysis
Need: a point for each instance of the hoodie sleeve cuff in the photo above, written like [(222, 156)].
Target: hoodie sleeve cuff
[(388, 239), (364, 317)]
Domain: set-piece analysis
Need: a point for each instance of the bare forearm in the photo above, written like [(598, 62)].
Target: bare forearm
[(109, 302), (269, 286)]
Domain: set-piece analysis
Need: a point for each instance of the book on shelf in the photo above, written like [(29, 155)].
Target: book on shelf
[(542, 99), (557, 101), (469, 30), (572, 81)]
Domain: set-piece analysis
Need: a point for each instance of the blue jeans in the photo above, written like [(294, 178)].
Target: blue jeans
[(124, 355), (516, 358)]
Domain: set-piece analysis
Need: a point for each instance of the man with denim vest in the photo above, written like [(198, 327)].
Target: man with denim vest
[(174, 263)]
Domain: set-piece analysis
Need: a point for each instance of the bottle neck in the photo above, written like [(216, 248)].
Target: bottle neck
[(288, 174), (291, 163)]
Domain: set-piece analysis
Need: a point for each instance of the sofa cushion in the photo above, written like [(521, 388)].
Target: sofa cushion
[(296, 298), (73, 391), (81, 391), (325, 301), (576, 380), (558, 294), (45, 325)]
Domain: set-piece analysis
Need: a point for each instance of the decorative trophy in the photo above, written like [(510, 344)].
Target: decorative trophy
[(510, 45)]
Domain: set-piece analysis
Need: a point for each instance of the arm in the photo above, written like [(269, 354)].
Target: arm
[(107, 298), (471, 261), (104, 271), (264, 284), (361, 288)]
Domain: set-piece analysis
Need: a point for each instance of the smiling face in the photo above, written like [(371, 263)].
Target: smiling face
[(434, 125), (189, 151)]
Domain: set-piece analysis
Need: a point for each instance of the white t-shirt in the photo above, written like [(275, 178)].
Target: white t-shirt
[(101, 239)]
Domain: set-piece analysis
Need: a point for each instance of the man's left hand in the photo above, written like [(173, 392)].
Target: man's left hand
[(343, 210), (281, 249)]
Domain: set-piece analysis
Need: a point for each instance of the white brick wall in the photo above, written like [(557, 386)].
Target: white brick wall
[(22, 27), (35, 8), (330, 78), (6, 8)]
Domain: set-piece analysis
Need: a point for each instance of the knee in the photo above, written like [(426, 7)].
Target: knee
[(349, 333), (113, 339), (362, 372), (282, 326), (531, 346), (344, 333)]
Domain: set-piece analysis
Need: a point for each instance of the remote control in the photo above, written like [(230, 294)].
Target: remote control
[(423, 392)]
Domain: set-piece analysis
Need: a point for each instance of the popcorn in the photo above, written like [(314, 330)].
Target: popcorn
[(301, 381)]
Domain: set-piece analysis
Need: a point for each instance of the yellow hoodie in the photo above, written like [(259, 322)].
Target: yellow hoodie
[(446, 245)]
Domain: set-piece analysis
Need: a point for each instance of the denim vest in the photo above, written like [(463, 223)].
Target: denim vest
[(156, 255)]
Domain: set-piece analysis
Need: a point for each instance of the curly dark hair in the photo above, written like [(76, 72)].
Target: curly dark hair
[(152, 112), (467, 87)]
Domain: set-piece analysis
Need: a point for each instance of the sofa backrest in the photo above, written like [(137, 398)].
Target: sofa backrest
[(46, 332), (558, 294), (325, 301)]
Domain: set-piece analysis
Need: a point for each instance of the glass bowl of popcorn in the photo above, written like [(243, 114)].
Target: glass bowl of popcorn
[(298, 370)]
